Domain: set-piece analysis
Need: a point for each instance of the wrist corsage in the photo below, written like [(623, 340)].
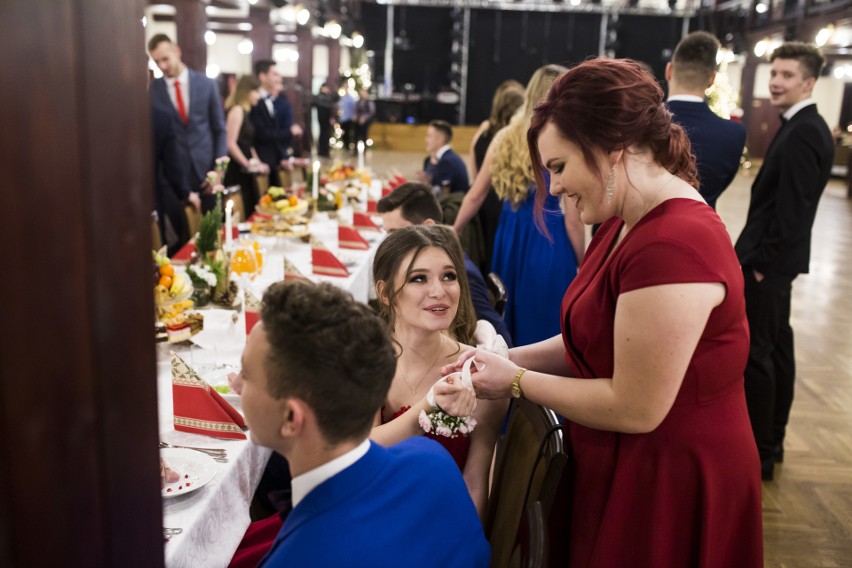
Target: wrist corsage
[(442, 424)]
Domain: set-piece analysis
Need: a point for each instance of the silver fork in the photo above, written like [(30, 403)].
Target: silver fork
[(216, 453)]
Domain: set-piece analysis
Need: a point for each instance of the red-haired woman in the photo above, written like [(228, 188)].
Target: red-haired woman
[(654, 338)]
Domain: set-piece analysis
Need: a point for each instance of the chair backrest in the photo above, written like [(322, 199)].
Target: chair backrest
[(497, 291), (193, 220), (533, 436), (261, 181), (156, 238), (234, 193), (531, 550)]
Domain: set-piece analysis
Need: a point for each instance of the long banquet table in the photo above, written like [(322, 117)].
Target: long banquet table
[(214, 518)]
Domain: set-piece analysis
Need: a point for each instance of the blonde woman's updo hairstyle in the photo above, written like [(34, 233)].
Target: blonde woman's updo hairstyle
[(610, 104), (416, 238)]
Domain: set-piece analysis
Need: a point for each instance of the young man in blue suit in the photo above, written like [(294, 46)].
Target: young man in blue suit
[(316, 372), (443, 168), (415, 204), (192, 100), (272, 118), (775, 244), (716, 142)]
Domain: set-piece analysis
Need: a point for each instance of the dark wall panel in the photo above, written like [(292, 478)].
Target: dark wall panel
[(375, 19), (647, 39), (512, 45), (421, 57)]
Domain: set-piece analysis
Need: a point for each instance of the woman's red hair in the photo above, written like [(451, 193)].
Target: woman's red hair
[(610, 104)]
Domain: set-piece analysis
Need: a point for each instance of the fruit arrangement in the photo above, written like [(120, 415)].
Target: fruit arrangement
[(340, 172), (170, 287), (278, 201)]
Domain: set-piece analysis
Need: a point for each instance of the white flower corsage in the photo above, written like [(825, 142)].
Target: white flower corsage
[(443, 424)]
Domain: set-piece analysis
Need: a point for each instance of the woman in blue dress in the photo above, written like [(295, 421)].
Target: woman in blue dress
[(535, 266)]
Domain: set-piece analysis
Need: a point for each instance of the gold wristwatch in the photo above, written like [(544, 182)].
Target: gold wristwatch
[(517, 392)]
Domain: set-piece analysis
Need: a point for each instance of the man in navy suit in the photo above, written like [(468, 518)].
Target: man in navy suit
[(716, 142), (443, 168), (415, 204), (775, 244), (316, 372), (272, 118), (171, 189), (192, 100)]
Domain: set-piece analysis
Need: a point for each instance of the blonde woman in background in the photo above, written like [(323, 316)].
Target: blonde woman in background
[(239, 135), (535, 267)]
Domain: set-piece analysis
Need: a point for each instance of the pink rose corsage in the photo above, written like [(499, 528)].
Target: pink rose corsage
[(442, 424)]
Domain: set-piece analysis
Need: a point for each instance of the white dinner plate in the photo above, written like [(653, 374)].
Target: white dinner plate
[(195, 470)]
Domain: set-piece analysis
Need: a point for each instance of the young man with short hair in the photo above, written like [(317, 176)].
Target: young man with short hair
[(716, 142), (775, 245), (443, 168), (315, 372)]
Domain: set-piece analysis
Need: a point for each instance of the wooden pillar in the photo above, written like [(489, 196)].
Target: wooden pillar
[(333, 63), (261, 33), (79, 463), (191, 22)]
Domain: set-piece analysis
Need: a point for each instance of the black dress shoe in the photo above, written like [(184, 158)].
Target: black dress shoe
[(767, 470), (778, 453)]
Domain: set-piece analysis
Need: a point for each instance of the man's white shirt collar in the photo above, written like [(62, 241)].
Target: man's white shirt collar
[(441, 151), (303, 484), (686, 98), (791, 112)]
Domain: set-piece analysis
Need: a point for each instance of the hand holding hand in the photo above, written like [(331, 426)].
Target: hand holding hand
[(454, 397), (494, 381)]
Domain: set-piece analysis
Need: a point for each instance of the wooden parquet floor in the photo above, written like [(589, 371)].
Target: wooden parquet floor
[(807, 509)]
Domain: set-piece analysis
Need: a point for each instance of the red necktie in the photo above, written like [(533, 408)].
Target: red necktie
[(180, 107)]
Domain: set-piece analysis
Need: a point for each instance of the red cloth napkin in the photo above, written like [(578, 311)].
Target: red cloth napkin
[(364, 222), (371, 205), (256, 216), (252, 311), (387, 190), (291, 272), (349, 238), (324, 261), (185, 253), (235, 233), (198, 408)]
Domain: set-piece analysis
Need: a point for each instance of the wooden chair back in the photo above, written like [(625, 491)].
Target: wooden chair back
[(193, 220)]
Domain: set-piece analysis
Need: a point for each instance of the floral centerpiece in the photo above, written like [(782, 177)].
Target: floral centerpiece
[(209, 272)]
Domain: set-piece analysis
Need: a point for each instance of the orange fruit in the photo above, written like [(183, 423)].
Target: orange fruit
[(167, 270), (294, 200), (166, 282)]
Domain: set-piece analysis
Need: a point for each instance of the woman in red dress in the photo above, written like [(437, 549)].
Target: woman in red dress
[(648, 371)]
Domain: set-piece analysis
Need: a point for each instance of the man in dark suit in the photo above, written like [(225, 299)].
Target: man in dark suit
[(415, 204), (272, 118), (316, 372), (716, 142), (443, 168), (171, 189), (775, 244), (192, 101)]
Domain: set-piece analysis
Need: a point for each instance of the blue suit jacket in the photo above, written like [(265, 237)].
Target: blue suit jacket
[(482, 301), (202, 140), (272, 136), (717, 144), (406, 505), (450, 170)]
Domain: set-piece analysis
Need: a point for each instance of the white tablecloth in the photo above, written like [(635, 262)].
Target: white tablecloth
[(215, 517)]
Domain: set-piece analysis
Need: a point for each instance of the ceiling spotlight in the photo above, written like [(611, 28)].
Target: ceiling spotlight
[(760, 48), (209, 37), (245, 46), (303, 16), (333, 29), (761, 8), (824, 35)]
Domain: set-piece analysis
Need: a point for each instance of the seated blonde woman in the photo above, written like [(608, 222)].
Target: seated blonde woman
[(424, 297)]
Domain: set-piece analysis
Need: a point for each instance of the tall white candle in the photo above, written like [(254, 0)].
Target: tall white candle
[(315, 180), (229, 223), (360, 154)]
